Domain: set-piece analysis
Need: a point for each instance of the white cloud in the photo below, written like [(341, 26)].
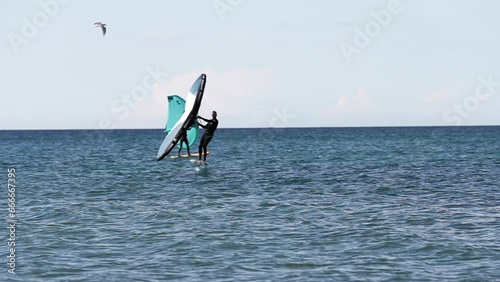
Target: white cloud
[(226, 92), (355, 104), (357, 109)]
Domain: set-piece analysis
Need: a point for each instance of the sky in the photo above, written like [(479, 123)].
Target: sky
[(279, 63)]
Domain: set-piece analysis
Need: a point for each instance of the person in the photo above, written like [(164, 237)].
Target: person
[(184, 139), (210, 127)]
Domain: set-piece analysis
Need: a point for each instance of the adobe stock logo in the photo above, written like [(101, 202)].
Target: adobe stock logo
[(471, 103), (224, 6), (373, 28), (124, 105), (31, 27), (281, 118)]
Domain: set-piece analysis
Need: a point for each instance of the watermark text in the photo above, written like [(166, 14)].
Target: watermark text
[(224, 6), (12, 220), (471, 103), (31, 27), (372, 29)]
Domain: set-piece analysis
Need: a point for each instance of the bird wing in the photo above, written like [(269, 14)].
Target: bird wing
[(103, 30)]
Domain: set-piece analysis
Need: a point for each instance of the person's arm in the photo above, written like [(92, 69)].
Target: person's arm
[(204, 119), (202, 126)]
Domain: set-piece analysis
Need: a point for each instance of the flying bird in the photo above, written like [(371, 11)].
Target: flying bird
[(102, 26)]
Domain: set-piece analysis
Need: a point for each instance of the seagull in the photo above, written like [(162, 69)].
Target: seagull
[(102, 26)]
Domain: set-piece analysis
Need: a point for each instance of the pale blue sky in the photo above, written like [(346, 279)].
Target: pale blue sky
[(269, 63)]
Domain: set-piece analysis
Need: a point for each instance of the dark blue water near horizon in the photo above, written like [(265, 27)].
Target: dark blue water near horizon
[(294, 204)]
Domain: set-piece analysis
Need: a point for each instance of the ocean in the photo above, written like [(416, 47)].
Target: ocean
[(279, 204)]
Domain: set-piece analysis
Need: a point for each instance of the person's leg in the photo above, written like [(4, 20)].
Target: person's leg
[(183, 140), (205, 144), (187, 144), (200, 147)]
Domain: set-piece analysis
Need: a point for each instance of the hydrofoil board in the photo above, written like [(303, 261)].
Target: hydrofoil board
[(193, 155)]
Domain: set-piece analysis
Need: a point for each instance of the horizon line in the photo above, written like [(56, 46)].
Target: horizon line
[(298, 127)]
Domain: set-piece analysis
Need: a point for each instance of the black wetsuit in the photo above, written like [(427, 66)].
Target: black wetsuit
[(210, 128), (184, 140)]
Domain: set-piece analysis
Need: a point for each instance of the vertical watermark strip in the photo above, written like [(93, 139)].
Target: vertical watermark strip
[(12, 220)]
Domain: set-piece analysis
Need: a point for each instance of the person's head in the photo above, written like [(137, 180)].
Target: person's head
[(214, 114)]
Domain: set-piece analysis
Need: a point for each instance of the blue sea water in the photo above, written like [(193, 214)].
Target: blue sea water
[(315, 204)]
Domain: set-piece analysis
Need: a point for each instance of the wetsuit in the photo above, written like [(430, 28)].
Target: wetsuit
[(210, 128), (184, 140)]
